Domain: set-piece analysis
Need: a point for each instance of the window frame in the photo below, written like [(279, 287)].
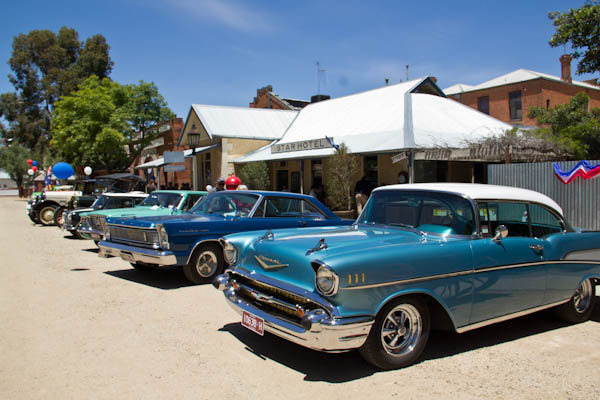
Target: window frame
[(513, 98)]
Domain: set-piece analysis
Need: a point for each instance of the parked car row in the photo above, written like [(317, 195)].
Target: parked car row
[(419, 257)]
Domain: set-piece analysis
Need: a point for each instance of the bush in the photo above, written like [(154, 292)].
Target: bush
[(342, 168), (255, 175)]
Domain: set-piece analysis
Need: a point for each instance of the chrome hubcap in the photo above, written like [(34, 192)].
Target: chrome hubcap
[(47, 215), (583, 296), (206, 265), (401, 330)]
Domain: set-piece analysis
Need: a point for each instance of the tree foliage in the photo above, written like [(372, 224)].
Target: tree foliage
[(13, 160), (94, 124), (46, 65), (255, 175), (342, 168), (580, 28), (571, 126)]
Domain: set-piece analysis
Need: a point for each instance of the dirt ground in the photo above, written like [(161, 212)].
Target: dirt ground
[(75, 326)]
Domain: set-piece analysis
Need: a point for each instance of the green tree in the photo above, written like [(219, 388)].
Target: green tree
[(342, 168), (580, 28), (255, 175), (94, 125), (13, 160), (571, 126), (46, 65)]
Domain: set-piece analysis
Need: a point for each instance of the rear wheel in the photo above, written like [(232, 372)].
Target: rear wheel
[(580, 307), (46, 215), (143, 266), (33, 216), (59, 216), (206, 263), (399, 334)]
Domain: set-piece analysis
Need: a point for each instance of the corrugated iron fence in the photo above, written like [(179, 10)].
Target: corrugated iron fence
[(580, 199)]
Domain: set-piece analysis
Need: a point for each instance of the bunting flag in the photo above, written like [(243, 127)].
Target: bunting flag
[(48, 177), (582, 169)]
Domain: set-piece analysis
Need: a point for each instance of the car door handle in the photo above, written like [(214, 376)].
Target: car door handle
[(536, 247)]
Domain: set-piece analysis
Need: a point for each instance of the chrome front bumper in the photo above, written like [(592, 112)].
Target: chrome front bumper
[(318, 330), (136, 254), (89, 233)]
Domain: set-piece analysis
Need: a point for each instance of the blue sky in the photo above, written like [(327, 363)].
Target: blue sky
[(221, 51)]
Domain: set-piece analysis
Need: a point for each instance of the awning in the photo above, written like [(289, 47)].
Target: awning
[(159, 162)]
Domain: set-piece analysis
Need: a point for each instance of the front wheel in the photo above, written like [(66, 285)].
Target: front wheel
[(206, 263), (46, 215), (59, 216), (399, 334), (580, 307)]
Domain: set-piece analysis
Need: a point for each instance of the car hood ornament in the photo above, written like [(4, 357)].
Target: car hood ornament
[(321, 245)]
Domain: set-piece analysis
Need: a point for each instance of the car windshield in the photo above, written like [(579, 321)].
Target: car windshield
[(227, 203), (169, 200), (426, 211), (100, 202)]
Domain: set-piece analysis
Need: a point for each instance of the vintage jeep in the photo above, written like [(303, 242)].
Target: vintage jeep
[(420, 256)]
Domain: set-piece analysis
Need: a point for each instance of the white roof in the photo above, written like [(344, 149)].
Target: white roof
[(520, 75), (375, 122), (243, 122), (477, 191), (458, 88)]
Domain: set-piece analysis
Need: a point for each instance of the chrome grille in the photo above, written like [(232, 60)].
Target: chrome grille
[(98, 222), (136, 236)]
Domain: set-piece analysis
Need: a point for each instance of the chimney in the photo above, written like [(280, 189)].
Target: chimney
[(319, 97), (565, 68)]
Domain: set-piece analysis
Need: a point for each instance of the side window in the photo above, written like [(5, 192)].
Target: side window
[(543, 221), (137, 200), (512, 215), (260, 211), (190, 200), (310, 211), (284, 207)]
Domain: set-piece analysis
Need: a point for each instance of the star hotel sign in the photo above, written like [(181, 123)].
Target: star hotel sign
[(314, 144)]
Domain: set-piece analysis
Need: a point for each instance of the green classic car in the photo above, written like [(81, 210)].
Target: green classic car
[(159, 202)]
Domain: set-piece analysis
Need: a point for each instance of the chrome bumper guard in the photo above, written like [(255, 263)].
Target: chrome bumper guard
[(317, 330), (89, 233), (136, 254)]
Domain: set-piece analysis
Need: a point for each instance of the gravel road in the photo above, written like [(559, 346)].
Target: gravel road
[(75, 326)]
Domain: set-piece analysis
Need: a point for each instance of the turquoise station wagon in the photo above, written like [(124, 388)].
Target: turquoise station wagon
[(420, 256)]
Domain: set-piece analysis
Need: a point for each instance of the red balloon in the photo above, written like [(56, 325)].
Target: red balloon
[(34, 168), (30, 162)]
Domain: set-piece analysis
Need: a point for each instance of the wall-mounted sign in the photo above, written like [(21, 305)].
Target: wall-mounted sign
[(164, 128), (174, 168), (172, 157), (303, 145)]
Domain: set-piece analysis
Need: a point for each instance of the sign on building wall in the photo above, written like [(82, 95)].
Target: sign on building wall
[(303, 145), (172, 157)]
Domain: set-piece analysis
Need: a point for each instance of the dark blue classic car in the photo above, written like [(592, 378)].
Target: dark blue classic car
[(422, 256), (192, 239)]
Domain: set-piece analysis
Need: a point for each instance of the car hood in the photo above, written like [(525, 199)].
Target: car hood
[(288, 255), (139, 212)]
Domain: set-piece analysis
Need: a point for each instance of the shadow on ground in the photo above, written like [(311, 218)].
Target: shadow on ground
[(345, 367), (165, 278), (94, 250)]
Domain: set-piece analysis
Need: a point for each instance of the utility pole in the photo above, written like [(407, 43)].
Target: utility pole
[(319, 70)]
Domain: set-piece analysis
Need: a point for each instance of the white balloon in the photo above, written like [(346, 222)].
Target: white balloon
[(29, 171), (87, 171), (208, 188)]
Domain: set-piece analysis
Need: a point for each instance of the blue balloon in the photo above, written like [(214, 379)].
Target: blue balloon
[(62, 170), (34, 163)]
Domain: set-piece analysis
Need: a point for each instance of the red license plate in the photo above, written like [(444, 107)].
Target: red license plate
[(254, 323)]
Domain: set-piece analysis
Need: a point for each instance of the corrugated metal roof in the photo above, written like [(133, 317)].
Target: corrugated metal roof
[(458, 88), (374, 121), (244, 123), (520, 75)]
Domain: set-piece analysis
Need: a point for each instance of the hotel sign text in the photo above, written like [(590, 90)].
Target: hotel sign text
[(303, 145)]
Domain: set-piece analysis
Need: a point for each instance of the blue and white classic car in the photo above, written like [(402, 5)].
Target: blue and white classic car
[(420, 256), (191, 240)]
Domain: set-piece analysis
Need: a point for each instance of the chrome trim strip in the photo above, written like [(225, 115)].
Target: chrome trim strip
[(266, 266), (131, 227), (466, 272), (508, 316)]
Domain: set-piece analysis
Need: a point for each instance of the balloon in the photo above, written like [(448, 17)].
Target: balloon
[(34, 168), (87, 171), (62, 170), (30, 171), (34, 163), (30, 162)]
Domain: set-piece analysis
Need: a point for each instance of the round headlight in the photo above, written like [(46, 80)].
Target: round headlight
[(229, 252), (326, 281)]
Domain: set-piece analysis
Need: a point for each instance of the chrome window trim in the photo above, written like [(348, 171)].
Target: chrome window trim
[(466, 272)]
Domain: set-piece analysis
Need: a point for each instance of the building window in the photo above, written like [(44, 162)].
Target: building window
[(483, 104), (515, 106), (548, 104)]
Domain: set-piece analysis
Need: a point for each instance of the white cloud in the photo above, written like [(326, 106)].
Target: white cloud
[(231, 13)]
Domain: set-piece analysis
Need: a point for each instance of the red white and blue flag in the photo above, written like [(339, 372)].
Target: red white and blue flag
[(48, 178), (583, 169)]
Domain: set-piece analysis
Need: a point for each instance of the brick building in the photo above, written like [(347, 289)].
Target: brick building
[(509, 97), (266, 98)]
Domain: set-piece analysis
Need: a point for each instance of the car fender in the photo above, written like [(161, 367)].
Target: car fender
[(214, 240), (46, 203)]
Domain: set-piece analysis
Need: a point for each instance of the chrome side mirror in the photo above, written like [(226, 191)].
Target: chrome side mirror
[(501, 233)]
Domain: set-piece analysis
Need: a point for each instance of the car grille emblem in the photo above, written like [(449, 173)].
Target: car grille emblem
[(268, 263)]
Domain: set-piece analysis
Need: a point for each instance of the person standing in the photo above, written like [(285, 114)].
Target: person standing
[(151, 186), (361, 193)]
